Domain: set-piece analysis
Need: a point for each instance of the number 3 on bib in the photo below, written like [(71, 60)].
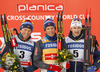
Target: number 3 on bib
[(22, 53)]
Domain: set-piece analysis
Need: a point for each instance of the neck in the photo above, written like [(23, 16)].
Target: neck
[(52, 38)]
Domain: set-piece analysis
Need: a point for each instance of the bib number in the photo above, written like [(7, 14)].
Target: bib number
[(75, 52), (22, 54)]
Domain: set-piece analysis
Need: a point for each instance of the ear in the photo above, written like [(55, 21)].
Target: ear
[(45, 31), (20, 30), (71, 29)]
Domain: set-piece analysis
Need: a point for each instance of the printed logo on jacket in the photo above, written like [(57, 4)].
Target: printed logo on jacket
[(50, 45)]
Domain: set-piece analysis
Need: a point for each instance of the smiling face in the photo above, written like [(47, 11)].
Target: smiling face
[(26, 32), (76, 31), (50, 31)]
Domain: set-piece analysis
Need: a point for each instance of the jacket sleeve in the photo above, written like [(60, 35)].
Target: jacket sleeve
[(96, 58), (32, 67), (38, 56), (2, 51)]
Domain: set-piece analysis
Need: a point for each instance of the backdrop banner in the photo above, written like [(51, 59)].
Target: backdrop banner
[(39, 10)]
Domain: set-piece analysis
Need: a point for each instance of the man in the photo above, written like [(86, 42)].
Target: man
[(75, 43), (25, 48), (46, 49)]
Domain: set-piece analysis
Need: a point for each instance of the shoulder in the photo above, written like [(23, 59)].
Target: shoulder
[(67, 39), (31, 40), (44, 40), (39, 42), (15, 36)]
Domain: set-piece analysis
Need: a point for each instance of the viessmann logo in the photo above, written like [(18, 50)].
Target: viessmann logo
[(39, 7)]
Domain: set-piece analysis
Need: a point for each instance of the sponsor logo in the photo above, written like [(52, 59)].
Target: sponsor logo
[(24, 46), (36, 36), (49, 23), (50, 56), (39, 7), (76, 46), (51, 45), (25, 63), (28, 26), (44, 40)]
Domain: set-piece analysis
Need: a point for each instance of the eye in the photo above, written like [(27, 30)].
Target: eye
[(79, 27), (48, 29), (25, 29), (29, 30), (74, 28)]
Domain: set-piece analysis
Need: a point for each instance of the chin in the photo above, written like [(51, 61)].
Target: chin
[(26, 37), (76, 35), (51, 35)]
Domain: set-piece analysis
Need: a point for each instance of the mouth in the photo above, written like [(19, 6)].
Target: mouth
[(25, 35), (50, 33), (76, 32)]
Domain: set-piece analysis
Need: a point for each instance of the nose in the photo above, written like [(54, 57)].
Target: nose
[(76, 29), (26, 32), (50, 29)]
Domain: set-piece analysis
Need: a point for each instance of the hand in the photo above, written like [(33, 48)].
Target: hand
[(54, 68), (95, 42), (92, 68)]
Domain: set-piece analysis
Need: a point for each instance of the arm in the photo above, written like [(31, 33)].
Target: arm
[(2, 51), (96, 62), (38, 56), (38, 59), (96, 53)]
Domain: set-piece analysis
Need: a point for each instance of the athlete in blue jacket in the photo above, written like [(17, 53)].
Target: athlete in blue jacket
[(46, 49), (25, 48), (75, 43)]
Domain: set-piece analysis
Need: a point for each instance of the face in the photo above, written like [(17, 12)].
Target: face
[(76, 30), (50, 31), (26, 32)]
